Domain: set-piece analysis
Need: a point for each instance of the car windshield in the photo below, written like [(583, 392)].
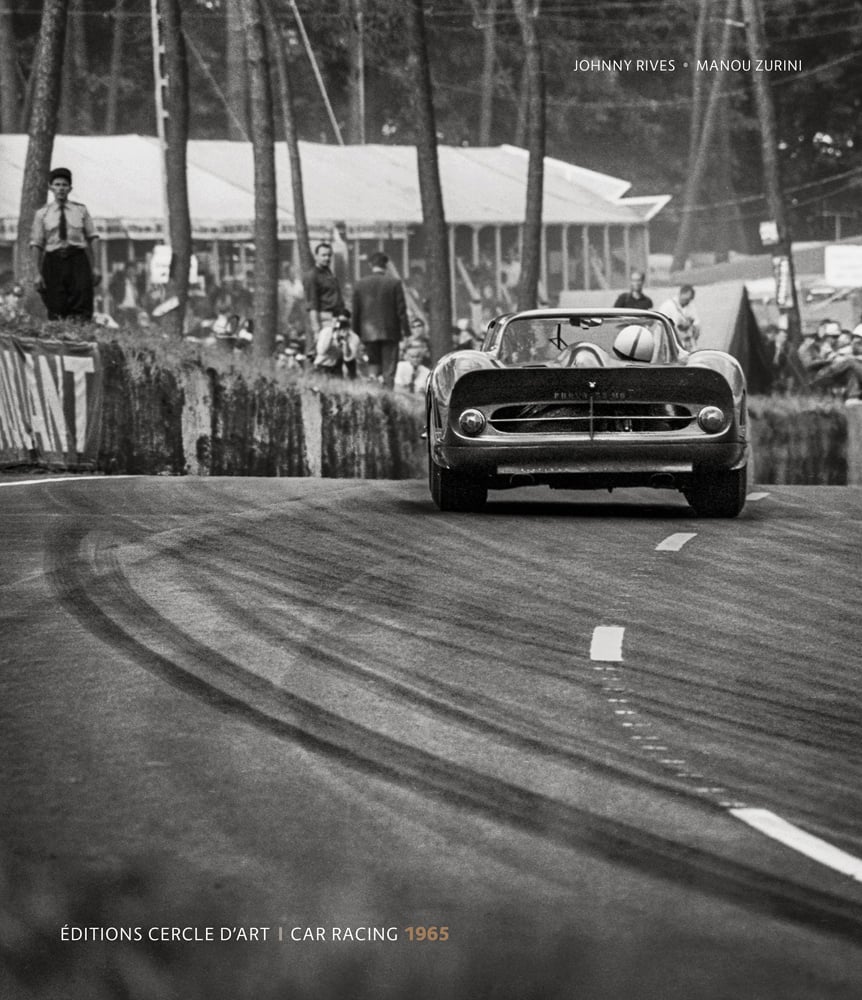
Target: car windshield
[(547, 340)]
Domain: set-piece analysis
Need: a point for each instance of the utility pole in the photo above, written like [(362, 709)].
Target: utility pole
[(356, 47), (160, 82), (317, 74), (782, 250)]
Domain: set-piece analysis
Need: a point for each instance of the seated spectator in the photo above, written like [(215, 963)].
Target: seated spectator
[(828, 332), (808, 351), (844, 344), (245, 334), (292, 357), (12, 303), (418, 338), (842, 374), (411, 375)]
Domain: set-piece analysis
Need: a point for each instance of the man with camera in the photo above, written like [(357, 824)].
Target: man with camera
[(337, 347)]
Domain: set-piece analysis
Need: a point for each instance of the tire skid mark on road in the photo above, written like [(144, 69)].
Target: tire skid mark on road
[(324, 577), (441, 699), (716, 719), (88, 583)]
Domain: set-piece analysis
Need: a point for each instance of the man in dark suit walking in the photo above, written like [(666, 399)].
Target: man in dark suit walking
[(380, 318)]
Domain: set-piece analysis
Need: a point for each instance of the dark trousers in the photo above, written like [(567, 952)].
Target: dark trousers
[(383, 359), (68, 281)]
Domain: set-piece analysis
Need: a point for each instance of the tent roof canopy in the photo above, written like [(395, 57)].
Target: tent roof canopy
[(120, 180)]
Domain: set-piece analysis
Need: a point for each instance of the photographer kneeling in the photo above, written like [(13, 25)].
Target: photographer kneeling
[(337, 348)]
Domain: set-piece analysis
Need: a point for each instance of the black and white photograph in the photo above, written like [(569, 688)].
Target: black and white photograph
[(430, 499)]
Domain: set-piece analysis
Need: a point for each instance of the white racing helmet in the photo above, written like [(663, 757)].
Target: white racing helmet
[(634, 343)]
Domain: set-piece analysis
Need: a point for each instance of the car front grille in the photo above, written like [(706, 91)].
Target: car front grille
[(590, 417)]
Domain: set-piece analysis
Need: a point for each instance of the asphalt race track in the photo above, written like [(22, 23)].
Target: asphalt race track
[(612, 748)]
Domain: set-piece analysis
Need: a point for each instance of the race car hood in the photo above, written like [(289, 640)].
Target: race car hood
[(641, 383)]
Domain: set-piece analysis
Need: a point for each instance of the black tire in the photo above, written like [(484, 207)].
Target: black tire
[(718, 493), (453, 492)]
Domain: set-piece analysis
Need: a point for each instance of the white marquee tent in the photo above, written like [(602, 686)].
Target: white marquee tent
[(592, 232)]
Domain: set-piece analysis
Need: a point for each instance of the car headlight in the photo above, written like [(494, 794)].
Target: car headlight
[(712, 419), (472, 422)]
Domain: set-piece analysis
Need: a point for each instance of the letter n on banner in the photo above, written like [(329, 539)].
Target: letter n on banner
[(50, 402)]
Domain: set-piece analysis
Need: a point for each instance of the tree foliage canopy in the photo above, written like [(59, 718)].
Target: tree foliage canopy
[(629, 123)]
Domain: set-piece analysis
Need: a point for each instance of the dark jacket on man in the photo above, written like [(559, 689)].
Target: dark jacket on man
[(379, 308)]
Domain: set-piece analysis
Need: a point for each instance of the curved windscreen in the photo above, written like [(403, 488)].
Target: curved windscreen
[(545, 340)]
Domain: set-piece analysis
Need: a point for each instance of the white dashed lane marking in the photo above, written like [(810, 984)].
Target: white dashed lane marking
[(606, 647), (756, 496), (607, 644), (673, 543), (791, 836), (61, 479)]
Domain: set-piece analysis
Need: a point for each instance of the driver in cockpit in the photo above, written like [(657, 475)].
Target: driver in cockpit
[(634, 343)]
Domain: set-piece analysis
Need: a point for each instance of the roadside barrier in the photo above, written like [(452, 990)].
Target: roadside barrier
[(102, 407)]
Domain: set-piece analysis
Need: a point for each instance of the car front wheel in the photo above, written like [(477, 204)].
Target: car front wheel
[(718, 493), (451, 491)]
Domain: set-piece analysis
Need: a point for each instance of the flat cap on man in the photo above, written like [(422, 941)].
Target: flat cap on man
[(57, 172)]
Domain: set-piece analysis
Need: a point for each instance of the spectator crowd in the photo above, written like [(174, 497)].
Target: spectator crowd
[(373, 330)]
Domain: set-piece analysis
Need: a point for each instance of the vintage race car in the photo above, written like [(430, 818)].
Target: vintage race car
[(587, 399)]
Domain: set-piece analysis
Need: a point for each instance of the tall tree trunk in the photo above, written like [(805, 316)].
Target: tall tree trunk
[(83, 94), (523, 103), (237, 72), (48, 68), (728, 225), (265, 202), (9, 91), (698, 83), (27, 106), (771, 168), (119, 31), (430, 191), (176, 140), (531, 256), (486, 20), (354, 14), (67, 76), (697, 172), (291, 138), (519, 99)]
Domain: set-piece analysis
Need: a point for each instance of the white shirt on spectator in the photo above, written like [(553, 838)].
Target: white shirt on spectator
[(409, 378), (685, 319)]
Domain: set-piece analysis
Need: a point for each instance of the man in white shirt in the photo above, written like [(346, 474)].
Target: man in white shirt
[(61, 242), (682, 312), (411, 375)]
